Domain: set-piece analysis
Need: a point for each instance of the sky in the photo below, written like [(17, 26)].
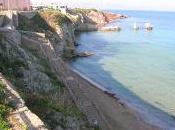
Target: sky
[(158, 5)]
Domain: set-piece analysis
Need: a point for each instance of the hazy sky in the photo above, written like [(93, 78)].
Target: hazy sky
[(168, 5)]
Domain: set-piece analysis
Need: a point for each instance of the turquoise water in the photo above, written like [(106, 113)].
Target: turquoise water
[(139, 66)]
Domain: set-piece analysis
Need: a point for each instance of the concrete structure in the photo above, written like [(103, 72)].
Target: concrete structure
[(15, 4)]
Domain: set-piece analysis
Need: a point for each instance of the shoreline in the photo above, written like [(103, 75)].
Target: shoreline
[(157, 124), (141, 114), (127, 114)]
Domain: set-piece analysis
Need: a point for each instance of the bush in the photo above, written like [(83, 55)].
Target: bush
[(4, 109)]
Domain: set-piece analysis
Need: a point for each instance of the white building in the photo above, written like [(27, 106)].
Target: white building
[(63, 9)]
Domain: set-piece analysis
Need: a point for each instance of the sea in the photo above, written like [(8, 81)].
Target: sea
[(137, 66)]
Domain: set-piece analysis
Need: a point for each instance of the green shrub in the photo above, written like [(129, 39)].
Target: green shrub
[(4, 109)]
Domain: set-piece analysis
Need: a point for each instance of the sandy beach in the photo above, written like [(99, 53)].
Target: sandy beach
[(116, 115)]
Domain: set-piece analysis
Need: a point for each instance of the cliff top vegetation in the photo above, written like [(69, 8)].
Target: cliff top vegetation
[(43, 21), (83, 11)]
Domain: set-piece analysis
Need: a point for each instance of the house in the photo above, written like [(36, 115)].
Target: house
[(15, 4), (54, 6), (63, 9)]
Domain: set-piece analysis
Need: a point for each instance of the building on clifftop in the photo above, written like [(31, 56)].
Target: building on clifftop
[(23, 5)]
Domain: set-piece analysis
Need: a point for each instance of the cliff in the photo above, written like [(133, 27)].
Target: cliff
[(60, 28), (91, 19), (24, 62), (31, 59)]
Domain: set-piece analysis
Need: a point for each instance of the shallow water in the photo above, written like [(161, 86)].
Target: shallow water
[(139, 66)]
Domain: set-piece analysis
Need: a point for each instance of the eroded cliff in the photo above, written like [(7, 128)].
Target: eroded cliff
[(24, 61), (31, 55)]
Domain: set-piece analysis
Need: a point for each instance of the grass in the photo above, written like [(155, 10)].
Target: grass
[(83, 11), (45, 20), (4, 109), (55, 16)]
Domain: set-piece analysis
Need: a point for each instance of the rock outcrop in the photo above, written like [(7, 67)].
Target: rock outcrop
[(92, 20)]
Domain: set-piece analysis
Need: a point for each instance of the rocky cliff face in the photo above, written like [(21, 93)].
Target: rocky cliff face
[(28, 53), (60, 28), (60, 33), (24, 62), (91, 20), (101, 18)]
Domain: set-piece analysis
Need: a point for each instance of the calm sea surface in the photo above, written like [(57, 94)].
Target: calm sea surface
[(139, 66)]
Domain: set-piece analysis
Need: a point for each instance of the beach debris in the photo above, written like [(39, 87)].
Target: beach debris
[(148, 26)]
